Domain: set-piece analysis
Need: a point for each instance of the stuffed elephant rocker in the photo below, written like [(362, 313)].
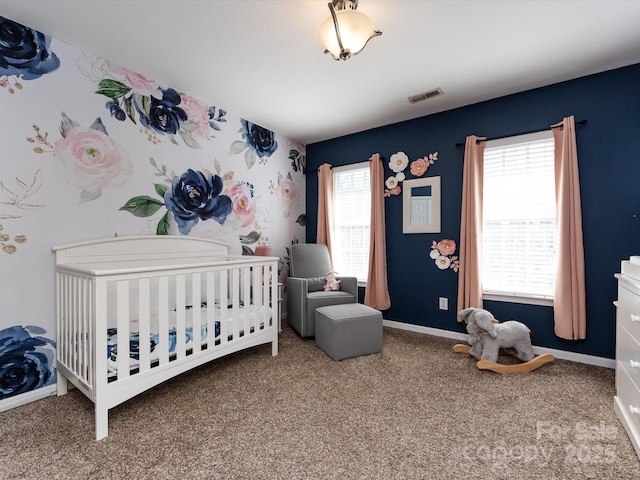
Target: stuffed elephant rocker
[(487, 336)]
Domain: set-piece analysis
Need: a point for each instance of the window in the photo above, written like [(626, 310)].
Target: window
[(519, 218), (352, 216)]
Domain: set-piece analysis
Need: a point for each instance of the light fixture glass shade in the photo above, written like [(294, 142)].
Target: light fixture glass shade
[(355, 31)]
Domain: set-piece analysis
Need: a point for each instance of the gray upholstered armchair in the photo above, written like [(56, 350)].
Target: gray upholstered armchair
[(309, 263)]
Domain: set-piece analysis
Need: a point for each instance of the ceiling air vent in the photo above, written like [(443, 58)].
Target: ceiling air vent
[(424, 96)]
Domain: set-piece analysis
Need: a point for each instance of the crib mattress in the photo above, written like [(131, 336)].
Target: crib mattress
[(255, 315)]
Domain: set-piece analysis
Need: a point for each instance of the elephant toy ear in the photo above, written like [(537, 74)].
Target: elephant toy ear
[(464, 314), (486, 321)]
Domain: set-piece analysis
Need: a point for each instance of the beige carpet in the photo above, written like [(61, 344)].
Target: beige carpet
[(416, 411)]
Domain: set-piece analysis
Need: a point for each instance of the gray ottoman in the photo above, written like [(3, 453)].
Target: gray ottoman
[(348, 330)]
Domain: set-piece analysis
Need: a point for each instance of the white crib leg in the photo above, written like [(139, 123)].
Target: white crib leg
[(274, 344), (61, 384), (102, 422)]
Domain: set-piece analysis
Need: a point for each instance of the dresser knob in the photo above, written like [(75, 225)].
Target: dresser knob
[(634, 318), (633, 409), (634, 364)]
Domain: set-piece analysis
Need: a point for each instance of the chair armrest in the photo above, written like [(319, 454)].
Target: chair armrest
[(297, 289), (297, 286), (350, 285)]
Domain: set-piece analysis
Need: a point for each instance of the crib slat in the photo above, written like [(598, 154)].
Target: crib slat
[(144, 316), (257, 296), (235, 298), (211, 308), (222, 307), (64, 319), (91, 331), (163, 320), (86, 312), (270, 296), (99, 374), (196, 321), (246, 299), (180, 316), (122, 302)]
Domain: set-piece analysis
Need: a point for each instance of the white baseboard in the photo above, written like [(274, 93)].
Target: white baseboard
[(18, 400), (561, 354)]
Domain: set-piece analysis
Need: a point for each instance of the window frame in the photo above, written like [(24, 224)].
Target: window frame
[(515, 296), (345, 168)]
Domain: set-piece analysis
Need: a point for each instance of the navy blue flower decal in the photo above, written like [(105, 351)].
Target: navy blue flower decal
[(26, 361), (194, 196), (258, 142), (24, 52), (162, 115)]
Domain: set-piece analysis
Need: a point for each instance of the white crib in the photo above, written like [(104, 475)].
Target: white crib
[(174, 302)]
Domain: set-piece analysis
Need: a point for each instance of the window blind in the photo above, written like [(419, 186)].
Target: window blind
[(519, 216), (352, 215)]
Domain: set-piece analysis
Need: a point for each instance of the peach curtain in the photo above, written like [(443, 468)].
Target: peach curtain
[(377, 291), (569, 305), (325, 205), (469, 275)]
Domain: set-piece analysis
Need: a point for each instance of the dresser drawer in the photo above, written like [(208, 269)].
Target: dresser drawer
[(628, 397), (628, 314), (628, 354)]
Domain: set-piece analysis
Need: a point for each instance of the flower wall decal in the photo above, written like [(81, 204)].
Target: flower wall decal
[(398, 163), (286, 193), (24, 52), (442, 253), (195, 196), (89, 159), (258, 142), (191, 197), (27, 361)]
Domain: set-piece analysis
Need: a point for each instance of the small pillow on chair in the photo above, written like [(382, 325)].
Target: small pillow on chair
[(316, 284)]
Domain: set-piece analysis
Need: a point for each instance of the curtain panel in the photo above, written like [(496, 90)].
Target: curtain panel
[(377, 291), (325, 206), (569, 304), (469, 275)]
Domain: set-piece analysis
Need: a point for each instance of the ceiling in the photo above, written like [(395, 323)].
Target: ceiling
[(260, 59)]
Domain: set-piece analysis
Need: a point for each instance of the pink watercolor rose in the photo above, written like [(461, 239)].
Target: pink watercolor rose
[(90, 160), (287, 193), (419, 167), (244, 207), (198, 113), (139, 83), (446, 247)]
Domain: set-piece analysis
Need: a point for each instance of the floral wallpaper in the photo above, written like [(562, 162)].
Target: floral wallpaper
[(91, 149)]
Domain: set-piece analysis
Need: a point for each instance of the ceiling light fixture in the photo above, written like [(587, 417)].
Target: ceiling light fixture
[(346, 31)]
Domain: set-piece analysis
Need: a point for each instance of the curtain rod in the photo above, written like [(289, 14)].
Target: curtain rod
[(580, 122), (345, 165)]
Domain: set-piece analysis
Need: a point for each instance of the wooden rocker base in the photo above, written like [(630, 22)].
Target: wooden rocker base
[(524, 367)]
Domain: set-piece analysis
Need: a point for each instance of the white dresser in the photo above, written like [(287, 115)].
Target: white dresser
[(627, 400)]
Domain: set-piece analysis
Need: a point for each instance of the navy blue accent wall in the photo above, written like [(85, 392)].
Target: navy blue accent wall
[(609, 160)]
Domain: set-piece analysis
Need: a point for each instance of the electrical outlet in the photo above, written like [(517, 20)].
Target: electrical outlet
[(444, 303)]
